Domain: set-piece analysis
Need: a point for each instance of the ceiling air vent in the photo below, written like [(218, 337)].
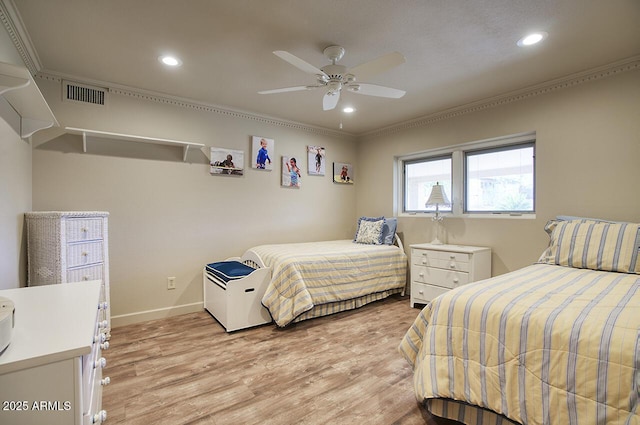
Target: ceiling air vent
[(76, 92)]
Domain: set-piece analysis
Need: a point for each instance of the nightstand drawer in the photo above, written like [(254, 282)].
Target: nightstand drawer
[(439, 277), (440, 259), (425, 292)]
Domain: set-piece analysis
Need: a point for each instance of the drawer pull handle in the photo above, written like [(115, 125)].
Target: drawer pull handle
[(103, 324), (100, 363), (103, 306), (104, 345), (100, 338), (105, 381), (100, 417)]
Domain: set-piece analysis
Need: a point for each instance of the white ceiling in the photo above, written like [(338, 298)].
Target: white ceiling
[(457, 51)]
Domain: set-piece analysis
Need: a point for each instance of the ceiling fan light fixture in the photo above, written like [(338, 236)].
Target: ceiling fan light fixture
[(533, 38), (170, 60)]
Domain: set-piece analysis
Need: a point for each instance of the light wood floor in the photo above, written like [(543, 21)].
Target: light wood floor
[(339, 369)]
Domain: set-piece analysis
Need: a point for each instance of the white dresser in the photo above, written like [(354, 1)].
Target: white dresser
[(51, 372), (69, 246), (436, 269)]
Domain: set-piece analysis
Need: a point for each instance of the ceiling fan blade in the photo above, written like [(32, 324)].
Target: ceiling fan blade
[(377, 66), (330, 100), (298, 63), (375, 90), (288, 89)]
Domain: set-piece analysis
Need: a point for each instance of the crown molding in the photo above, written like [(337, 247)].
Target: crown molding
[(165, 99), (15, 28), (615, 68)]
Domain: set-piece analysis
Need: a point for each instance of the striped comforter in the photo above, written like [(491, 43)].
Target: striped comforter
[(311, 274), (546, 344)]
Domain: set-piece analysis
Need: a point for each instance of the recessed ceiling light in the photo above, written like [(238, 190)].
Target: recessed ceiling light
[(531, 39), (170, 60), (348, 109)]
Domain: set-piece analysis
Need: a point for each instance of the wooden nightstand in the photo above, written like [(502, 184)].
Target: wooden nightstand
[(436, 269)]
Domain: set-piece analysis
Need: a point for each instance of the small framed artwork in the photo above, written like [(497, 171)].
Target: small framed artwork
[(262, 150), (226, 162), (343, 173), (291, 174), (315, 160)]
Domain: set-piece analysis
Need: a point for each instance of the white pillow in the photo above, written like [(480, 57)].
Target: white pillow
[(370, 232)]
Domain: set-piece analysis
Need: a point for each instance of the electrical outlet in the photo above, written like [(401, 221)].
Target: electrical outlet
[(171, 283)]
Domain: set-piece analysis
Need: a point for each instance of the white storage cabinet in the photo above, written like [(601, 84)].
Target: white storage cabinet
[(436, 269), (51, 372), (69, 246)]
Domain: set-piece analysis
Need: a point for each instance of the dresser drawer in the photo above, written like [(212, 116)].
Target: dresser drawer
[(82, 254), (86, 273), (84, 229), (439, 277), (425, 292), (440, 259)]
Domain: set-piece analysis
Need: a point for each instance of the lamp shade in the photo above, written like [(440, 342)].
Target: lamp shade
[(437, 196)]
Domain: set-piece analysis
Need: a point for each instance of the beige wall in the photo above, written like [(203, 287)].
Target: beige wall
[(15, 185), (170, 218), (587, 154), (15, 199)]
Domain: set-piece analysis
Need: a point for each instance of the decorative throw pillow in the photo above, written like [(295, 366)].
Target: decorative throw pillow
[(389, 230), (369, 230), (592, 244)]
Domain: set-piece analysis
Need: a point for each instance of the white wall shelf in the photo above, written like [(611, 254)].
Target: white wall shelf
[(87, 135), (20, 90)]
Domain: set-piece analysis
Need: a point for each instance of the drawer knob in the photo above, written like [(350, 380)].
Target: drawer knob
[(421, 274), (456, 280), (103, 324), (103, 306), (105, 381), (104, 345), (452, 256), (100, 363), (100, 338), (84, 254), (452, 265), (100, 417), (421, 292), (85, 278)]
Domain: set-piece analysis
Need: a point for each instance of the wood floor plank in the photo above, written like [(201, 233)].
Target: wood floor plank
[(341, 369)]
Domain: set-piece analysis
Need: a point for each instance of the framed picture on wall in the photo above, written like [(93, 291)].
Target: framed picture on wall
[(291, 174), (343, 173), (226, 162), (316, 156), (262, 150)]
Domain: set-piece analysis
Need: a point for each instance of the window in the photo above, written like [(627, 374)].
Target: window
[(500, 179), (420, 175), (487, 177)]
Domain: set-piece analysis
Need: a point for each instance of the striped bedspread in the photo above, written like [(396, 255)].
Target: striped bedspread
[(310, 274), (546, 344)]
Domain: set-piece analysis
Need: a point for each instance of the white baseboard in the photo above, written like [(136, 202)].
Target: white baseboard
[(160, 313)]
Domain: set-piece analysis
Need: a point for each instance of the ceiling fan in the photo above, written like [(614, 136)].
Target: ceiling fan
[(336, 77)]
